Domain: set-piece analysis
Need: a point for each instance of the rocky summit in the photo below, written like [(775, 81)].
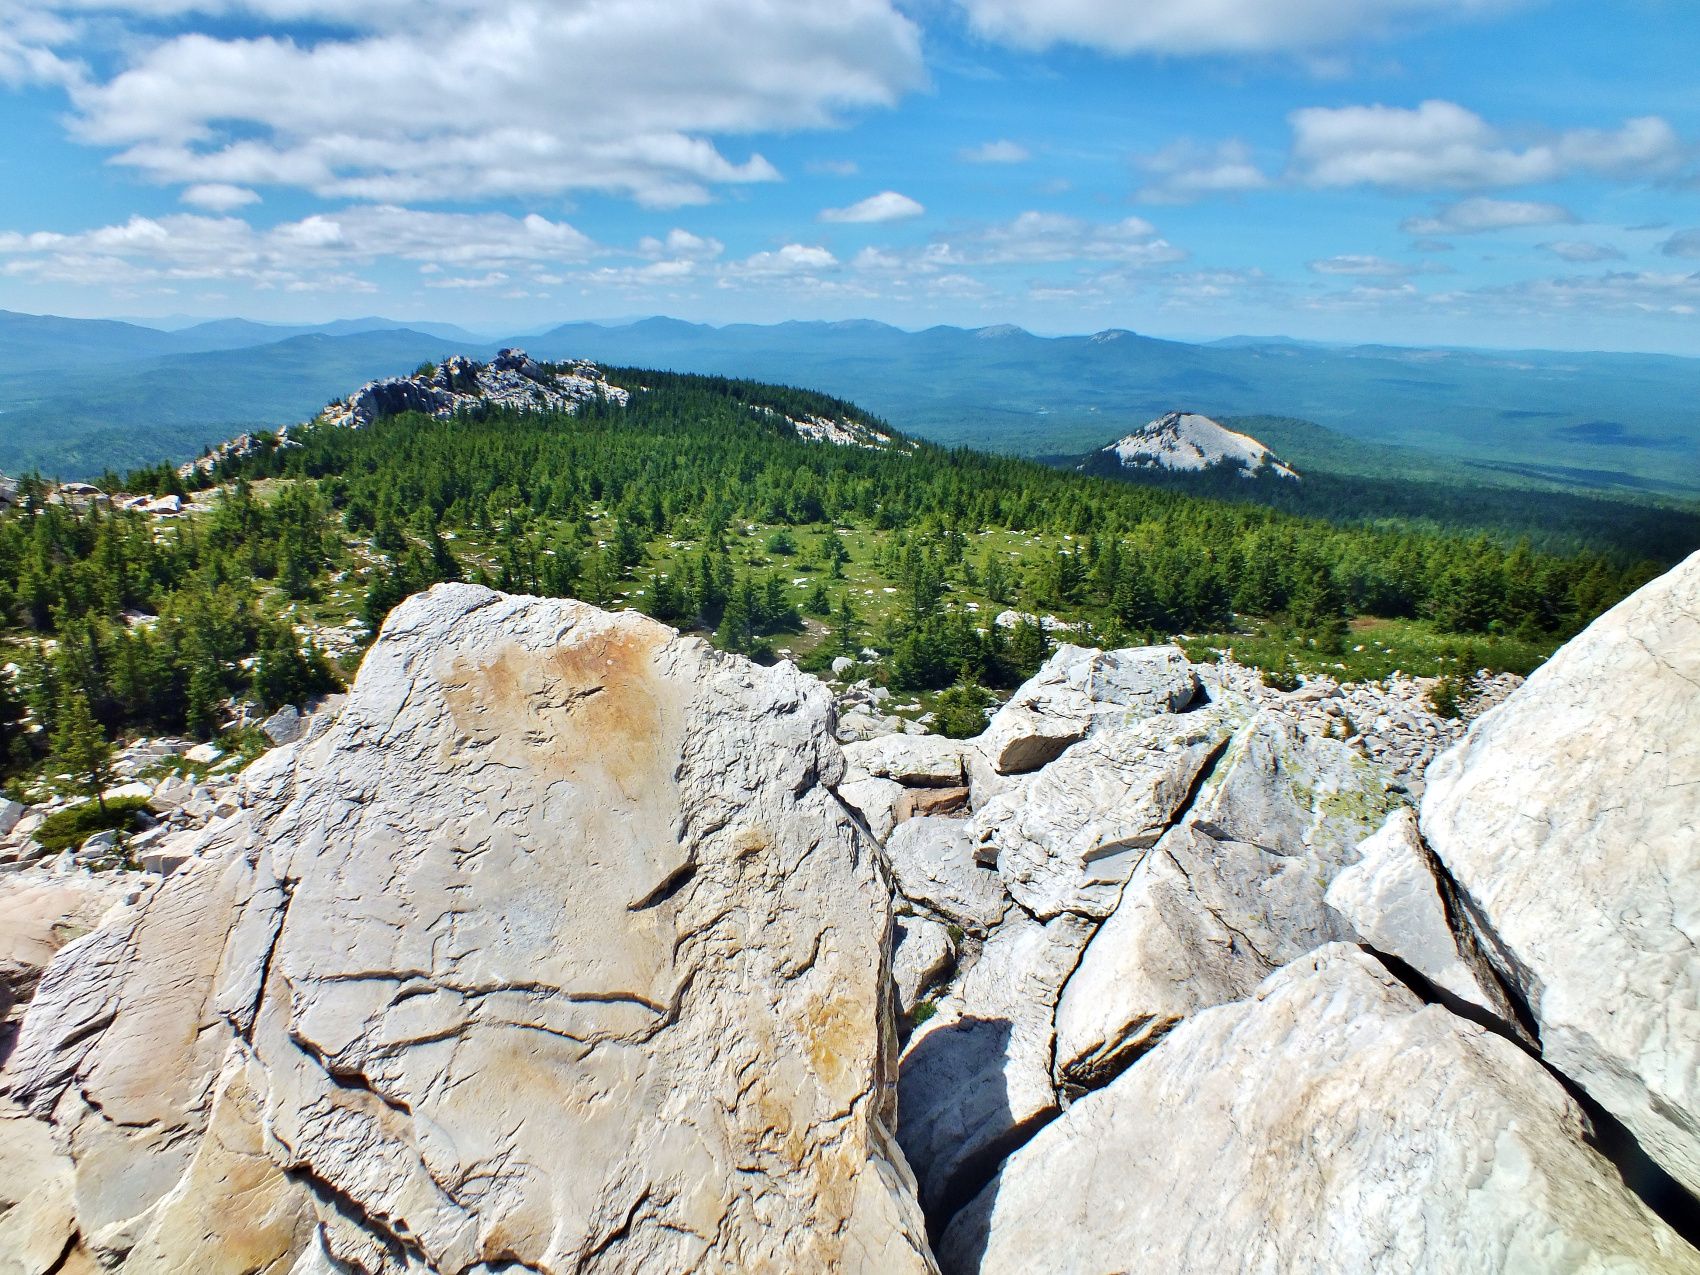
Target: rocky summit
[(1187, 441), (566, 944)]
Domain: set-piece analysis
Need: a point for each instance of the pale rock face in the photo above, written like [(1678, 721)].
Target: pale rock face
[(1080, 689), (40, 913), (916, 761), (922, 951), (1201, 922), (976, 1077), (1331, 1123), (37, 1221), (1567, 816), (1067, 840), (1187, 441), (1293, 794), (1391, 898), (1232, 894), (876, 801), (555, 881), (933, 865)]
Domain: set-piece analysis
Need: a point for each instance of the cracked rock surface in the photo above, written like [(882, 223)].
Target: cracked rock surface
[(556, 953), (1331, 1122), (1570, 819)]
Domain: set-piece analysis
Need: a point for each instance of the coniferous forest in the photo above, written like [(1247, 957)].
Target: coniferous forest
[(697, 504)]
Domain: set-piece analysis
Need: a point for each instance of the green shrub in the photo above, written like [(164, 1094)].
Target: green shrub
[(922, 1012), (68, 828)]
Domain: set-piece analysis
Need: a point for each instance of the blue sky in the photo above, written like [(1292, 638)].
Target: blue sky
[(1488, 172)]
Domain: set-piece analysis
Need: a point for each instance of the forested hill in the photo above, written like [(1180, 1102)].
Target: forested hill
[(688, 504)]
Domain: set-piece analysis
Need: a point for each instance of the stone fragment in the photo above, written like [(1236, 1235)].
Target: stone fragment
[(1393, 901), (1201, 922), (976, 1078), (916, 761), (922, 951), (933, 866)]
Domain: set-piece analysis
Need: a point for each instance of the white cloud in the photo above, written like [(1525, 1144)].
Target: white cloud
[(219, 197), (1206, 26), (1185, 171), (1048, 237), (682, 245), (888, 205), (1581, 251), (1473, 216), (1623, 291), (1002, 151), (792, 259), (305, 252), (1441, 145), (833, 167), (1361, 266), (450, 99)]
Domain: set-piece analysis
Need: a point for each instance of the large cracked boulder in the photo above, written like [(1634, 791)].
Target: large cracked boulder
[(1066, 840), (1333, 1123), (1569, 819), (1078, 690), (1235, 891), (555, 953)]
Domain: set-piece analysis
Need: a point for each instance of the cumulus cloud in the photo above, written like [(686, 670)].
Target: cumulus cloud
[(445, 98), (681, 245), (311, 250), (219, 197), (1206, 26), (792, 259), (1474, 216), (1186, 171), (1581, 251), (1002, 151), (1441, 145), (888, 205), (1361, 266)]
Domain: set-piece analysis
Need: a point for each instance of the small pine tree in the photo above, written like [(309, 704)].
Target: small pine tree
[(81, 747)]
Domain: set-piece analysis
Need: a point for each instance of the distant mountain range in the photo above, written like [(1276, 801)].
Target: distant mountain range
[(77, 395)]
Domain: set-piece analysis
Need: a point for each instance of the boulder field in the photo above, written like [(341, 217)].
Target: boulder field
[(572, 945)]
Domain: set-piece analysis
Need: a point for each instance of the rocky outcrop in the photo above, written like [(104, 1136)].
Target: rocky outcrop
[(1570, 819), (1332, 1122), (555, 953), (1067, 840), (1186, 441), (1180, 980), (511, 381)]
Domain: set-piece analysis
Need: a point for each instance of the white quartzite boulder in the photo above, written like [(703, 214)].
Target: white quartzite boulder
[(555, 953), (1066, 840), (1390, 897), (1080, 689), (1334, 1123), (1570, 818)]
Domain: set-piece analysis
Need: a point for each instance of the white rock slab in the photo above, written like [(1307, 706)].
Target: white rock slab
[(1570, 818), (1334, 1123)]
